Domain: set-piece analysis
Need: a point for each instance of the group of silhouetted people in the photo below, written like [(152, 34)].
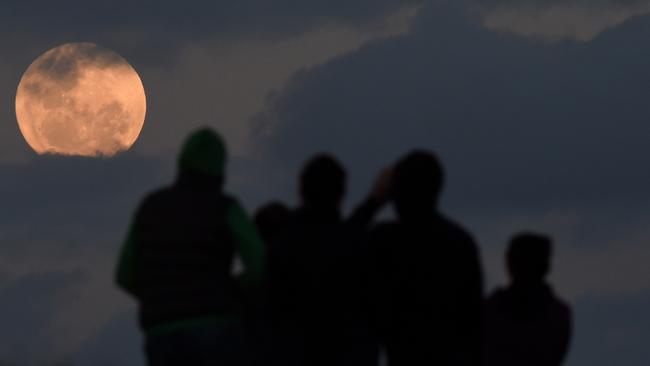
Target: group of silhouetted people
[(309, 286)]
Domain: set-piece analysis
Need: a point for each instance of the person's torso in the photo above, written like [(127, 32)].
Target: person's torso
[(525, 328), (426, 270), (184, 253), (319, 271)]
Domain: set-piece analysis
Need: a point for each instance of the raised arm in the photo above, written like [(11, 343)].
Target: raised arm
[(364, 214)]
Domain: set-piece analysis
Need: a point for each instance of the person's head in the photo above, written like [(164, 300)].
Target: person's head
[(416, 184), (529, 258), (271, 220), (204, 153), (322, 182)]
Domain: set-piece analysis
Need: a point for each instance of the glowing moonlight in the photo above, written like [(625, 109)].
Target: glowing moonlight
[(80, 99)]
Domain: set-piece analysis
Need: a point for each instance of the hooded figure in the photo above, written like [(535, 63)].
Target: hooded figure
[(177, 262)]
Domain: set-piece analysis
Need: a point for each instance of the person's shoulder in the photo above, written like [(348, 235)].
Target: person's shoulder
[(559, 305), (558, 313), (451, 225), (301, 220), (455, 230), (153, 202), (295, 224), (493, 302), (230, 201), (157, 195)]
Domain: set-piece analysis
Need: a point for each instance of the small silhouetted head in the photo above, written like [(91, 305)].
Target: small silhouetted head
[(272, 219), (322, 182), (416, 185), (528, 258), (204, 152)]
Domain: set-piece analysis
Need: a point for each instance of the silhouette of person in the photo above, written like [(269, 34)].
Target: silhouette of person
[(272, 220), (319, 274), (177, 259), (427, 273), (525, 323)]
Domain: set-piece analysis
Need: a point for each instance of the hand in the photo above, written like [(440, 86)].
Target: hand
[(383, 184)]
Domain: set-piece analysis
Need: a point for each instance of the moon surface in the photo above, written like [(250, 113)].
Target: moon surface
[(80, 99)]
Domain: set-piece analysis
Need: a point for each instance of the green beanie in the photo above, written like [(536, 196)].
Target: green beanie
[(204, 152)]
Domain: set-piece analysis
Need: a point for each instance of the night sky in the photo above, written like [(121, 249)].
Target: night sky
[(539, 110)]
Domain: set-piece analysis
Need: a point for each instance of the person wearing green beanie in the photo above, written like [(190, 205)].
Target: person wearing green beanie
[(177, 262)]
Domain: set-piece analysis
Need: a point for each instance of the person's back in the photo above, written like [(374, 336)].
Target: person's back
[(330, 263), (431, 279), (525, 323), (428, 275), (177, 262), (185, 252), (319, 274)]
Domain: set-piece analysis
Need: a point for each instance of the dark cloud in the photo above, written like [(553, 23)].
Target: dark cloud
[(74, 202), (152, 30), (549, 3), (188, 19), (519, 124), (62, 223), (528, 131), (117, 343), (28, 307), (611, 331)]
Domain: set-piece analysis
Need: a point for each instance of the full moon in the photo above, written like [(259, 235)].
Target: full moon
[(80, 99)]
